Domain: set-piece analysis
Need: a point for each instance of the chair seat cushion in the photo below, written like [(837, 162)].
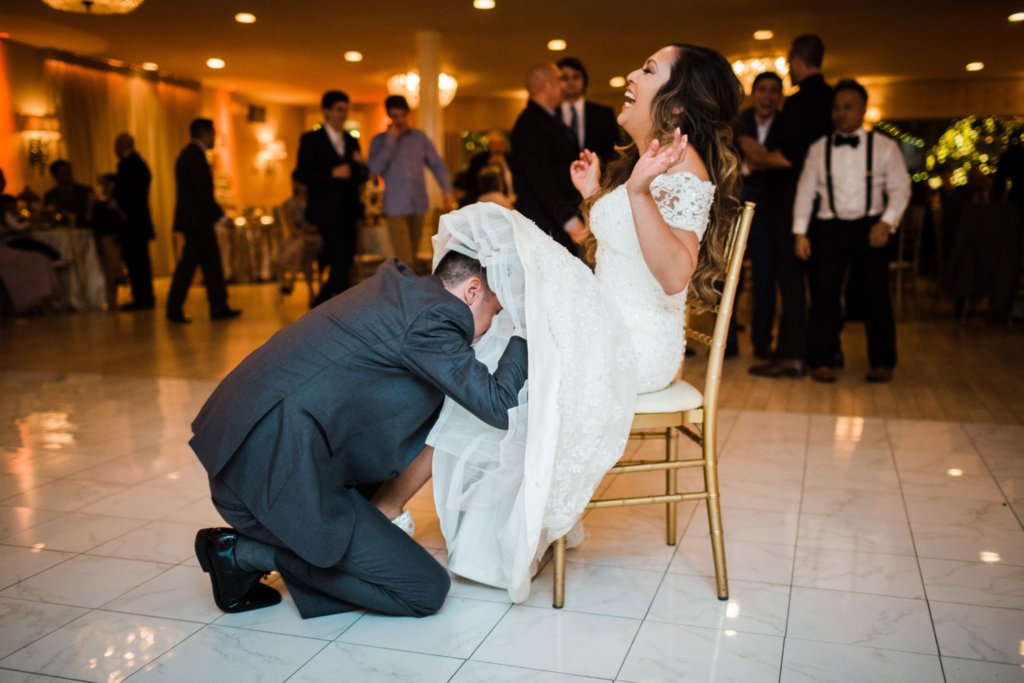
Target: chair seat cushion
[(675, 398)]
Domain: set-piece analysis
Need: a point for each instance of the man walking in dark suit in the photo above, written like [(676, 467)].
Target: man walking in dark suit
[(593, 124), (807, 115), (296, 438), (542, 150), (331, 166), (131, 191), (195, 213)]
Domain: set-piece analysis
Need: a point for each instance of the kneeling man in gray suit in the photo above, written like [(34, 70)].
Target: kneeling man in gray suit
[(321, 431)]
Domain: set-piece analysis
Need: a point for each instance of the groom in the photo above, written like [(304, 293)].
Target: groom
[(332, 409)]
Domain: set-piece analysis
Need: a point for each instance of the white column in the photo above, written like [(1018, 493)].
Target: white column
[(428, 52)]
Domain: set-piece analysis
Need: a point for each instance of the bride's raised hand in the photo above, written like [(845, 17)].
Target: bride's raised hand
[(655, 161), (586, 173)]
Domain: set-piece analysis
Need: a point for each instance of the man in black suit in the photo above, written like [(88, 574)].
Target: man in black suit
[(331, 166), (298, 436), (593, 124), (543, 148), (807, 116), (72, 200), (131, 191), (764, 187), (195, 213)]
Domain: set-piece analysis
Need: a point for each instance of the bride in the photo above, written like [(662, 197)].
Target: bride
[(596, 339)]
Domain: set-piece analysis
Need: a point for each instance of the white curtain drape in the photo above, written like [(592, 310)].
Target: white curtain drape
[(94, 106)]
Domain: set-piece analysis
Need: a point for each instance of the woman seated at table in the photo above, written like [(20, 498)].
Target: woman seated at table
[(302, 241), (108, 224)]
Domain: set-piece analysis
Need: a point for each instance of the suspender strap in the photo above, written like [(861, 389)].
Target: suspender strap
[(828, 175), (870, 150)]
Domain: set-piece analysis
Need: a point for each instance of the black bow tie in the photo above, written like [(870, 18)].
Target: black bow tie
[(851, 140)]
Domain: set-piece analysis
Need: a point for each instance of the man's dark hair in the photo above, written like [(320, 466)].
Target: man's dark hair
[(456, 268), (767, 76), (396, 102), (57, 165), (199, 127), (489, 179), (850, 84), (576, 65), (331, 98), (809, 48)]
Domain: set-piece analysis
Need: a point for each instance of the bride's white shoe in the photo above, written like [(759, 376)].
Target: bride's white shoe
[(405, 523)]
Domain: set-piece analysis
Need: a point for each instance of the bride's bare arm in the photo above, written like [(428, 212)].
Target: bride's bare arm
[(671, 254)]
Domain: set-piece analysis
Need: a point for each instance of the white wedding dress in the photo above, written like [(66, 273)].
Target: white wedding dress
[(596, 340)]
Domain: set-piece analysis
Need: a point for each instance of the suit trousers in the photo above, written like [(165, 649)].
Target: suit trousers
[(135, 253), (340, 250), (791, 274), (763, 256), (837, 248), (383, 569), (405, 233), (200, 250)]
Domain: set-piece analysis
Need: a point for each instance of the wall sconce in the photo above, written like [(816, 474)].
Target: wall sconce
[(271, 153), (40, 132), (408, 84)]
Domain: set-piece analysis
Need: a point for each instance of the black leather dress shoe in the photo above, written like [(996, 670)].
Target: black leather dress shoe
[(136, 306), (179, 318), (225, 314), (793, 369), (234, 590)]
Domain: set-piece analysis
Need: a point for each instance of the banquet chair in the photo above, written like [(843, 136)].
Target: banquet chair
[(682, 409), (907, 265)]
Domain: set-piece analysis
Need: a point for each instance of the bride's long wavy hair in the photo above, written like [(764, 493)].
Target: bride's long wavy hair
[(702, 98)]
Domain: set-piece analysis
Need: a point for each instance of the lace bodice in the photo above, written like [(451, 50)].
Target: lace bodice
[(655, 319)]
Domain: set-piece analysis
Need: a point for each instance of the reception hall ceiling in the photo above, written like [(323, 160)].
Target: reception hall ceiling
[(295, 48)]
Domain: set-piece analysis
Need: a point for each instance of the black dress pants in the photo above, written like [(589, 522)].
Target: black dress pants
[(763, 256), (836, 248), (791, 273), (200, 251), (340, 251), (135, 253)]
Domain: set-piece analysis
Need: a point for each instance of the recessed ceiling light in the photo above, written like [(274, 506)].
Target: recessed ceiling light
[(1016, 17), (150, 66), (764, 34), (975, 66), (617, 82), (215, 63), (483, 4), (245, 18), (353, 56), (556, 45)]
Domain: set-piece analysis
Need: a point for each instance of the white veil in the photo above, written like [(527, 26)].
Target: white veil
[(503, 496)]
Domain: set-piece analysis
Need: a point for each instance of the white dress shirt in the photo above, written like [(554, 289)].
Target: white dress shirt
[(890, 187), (581, 132), (337, 140)]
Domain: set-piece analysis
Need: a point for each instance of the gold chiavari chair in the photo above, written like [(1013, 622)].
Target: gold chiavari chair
[(683, 409)]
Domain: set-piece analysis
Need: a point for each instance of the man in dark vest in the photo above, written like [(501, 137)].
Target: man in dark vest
[(316, 440), (131, 191)]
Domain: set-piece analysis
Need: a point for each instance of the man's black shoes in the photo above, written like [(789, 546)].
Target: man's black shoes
[(234, 590), (225, 313)]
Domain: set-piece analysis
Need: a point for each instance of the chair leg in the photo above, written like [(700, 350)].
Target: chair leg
[(715, 515), (671, 483), (558, 589)]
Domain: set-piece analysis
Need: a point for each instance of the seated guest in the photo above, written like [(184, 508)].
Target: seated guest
[(302, 241), (862, 184), (490, 183), (68, 198), (467, 184), (13, 225), (108, 225)]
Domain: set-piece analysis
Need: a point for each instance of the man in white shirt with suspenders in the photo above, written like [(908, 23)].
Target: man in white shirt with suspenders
[(863, 186)]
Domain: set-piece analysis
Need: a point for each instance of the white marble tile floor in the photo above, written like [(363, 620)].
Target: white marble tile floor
[(860, 549)]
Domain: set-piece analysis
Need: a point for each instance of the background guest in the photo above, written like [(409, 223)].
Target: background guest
[(491, 182), (131, 190), (302, 241), (195, 213), (399, 155), (331, 166), (68, 198), (593, 124), (109, 224), (496, 154)]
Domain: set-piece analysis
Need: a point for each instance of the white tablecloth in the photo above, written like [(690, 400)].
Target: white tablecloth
[(86, 289)]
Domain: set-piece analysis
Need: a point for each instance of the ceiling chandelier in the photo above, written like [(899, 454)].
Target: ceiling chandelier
[(95, 6), (747, 69), (408, 85)]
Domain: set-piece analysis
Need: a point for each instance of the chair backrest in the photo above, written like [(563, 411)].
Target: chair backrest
[(908, 244), (735, 248)]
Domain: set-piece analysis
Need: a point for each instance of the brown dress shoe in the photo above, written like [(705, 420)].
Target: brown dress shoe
[(823, 374), (879, 375), (779, 368)]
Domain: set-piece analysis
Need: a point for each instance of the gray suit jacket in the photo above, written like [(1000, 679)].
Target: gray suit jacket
[(343, 397)]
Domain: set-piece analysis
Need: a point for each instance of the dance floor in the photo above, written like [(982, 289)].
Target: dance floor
[(859, 549)]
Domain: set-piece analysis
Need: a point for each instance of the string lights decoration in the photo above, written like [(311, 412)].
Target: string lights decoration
[(970, 144), (408, 85), (94, 6)]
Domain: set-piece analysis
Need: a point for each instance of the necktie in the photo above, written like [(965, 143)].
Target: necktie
[(574, 124), (851, 140)]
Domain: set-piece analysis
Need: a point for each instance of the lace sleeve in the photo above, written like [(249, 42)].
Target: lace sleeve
[(684, 200)]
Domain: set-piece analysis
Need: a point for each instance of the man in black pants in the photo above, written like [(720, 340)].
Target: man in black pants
[(863, 188), (195, 213), (131, 191), (806, 116)]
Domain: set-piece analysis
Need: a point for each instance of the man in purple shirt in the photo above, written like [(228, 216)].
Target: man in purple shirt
[(398, 156)]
